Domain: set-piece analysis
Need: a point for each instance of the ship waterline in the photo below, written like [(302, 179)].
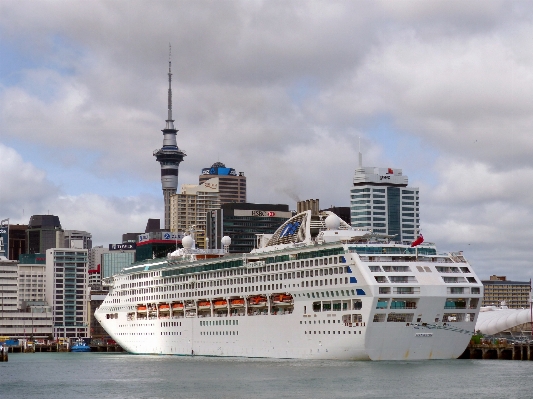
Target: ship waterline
[(316, 289)]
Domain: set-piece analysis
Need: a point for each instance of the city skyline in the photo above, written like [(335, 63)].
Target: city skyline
[(284, 93)]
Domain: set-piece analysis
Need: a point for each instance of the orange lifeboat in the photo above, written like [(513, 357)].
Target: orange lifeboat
[(237, 302), (204, 305), (177, 306), (221, 303), (164, 307), (258, 300), (141, 308), (282, 299)]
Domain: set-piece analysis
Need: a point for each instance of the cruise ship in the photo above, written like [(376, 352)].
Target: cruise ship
[(315, 289)]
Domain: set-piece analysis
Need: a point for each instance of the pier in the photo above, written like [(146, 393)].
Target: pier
[(499, 349)]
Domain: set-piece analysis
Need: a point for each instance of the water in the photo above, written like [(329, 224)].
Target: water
[(120, 375)]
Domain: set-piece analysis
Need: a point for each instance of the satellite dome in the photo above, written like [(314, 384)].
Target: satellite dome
[(218, 165), (226, 240), (187, 242), (333, 222)]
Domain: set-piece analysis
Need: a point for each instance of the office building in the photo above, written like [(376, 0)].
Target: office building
[(66, 290), (188, 210), (169, 156), (31, 283), (382, 201), (241, 222), (21, 319), (114, 261), (231, 185), (77, 239), (17, 240), (44, 232), (497, 289)]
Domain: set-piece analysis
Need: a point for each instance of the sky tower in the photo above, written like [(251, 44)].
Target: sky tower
[(169, 156)]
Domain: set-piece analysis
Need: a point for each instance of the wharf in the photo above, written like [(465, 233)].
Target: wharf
[(63, 348), (499, 349)]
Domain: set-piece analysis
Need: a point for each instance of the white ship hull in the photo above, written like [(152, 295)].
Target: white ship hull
[(283, 337)]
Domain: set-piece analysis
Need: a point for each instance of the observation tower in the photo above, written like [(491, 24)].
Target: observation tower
[(169, 156)]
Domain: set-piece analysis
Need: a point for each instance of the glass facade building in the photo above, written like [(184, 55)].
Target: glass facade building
[(113, 262), (381, 201)]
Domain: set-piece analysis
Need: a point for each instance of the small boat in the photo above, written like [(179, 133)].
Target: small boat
[(164, 307), (80, 346), (141, 308), (237, 303), (177, 306), (204, 305), (221, 303)]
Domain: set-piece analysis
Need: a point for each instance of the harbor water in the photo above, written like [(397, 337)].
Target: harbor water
[(121, 375)]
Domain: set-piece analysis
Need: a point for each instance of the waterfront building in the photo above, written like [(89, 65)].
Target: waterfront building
[(242, 222), (96, 297), (231, 185), (382, 201), (78, 239), (189, 208), (66, 290), (169, 156), (31, 283), (22, 318), (44, 232), (8, 285), (497, 289)]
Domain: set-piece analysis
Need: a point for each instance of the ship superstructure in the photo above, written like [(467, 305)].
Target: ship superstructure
[(315, 289)]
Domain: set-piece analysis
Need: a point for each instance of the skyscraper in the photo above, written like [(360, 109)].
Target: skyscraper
[(232, 186), (380, 200), (169, 156), (191, 206), (44, 232)]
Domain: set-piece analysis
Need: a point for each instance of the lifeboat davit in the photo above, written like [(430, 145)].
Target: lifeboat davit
[(221, 303), (237, 302), (258, 300), (204, 305)]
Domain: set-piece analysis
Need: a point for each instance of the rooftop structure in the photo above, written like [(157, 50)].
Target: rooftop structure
[(44, 232), (232, 185)]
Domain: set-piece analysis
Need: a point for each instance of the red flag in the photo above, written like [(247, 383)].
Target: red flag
[(419, 240), (390, 171)]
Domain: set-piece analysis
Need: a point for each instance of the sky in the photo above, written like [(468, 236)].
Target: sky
[(286, 92)]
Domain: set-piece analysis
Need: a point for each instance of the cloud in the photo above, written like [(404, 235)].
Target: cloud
[(23, 186), (281, 91)]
